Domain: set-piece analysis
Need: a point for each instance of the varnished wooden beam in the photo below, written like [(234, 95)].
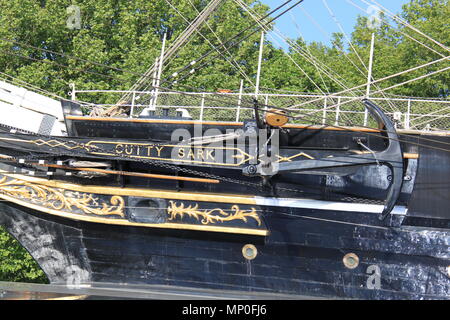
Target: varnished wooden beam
[(134, 174), (137, 192)]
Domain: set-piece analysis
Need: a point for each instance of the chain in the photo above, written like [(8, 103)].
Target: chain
[(146, 161)]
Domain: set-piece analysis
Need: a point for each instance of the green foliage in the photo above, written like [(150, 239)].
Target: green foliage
[(395, 52), (126, 36), (16, 264), (432, 17), (121, 34)]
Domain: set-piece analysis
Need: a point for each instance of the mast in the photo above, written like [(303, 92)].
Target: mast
[(258, 74), (369, 76), (158, 77)]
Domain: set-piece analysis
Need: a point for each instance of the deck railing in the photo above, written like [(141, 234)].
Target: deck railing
[(407, 113)]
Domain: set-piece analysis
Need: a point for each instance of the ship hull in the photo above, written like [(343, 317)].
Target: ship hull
[(303, 255), (227, 236)]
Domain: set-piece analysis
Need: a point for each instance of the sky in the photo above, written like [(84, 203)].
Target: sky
[(313, 21)]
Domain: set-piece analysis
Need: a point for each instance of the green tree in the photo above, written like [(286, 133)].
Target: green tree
[(396, 51), (16, 264), (121, 34), (432, 17), (38, 44)]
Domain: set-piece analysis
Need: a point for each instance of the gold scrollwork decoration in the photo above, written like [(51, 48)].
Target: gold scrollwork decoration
[(66, 144), (289, 159), (211, 215), (60, 199)]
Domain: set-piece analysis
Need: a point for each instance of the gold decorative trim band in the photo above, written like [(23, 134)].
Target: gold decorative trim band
[(211, 215), (123, 222), (33, 193), (137, 192), (60, 199)]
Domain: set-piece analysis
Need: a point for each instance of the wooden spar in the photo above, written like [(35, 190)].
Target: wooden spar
[(135, 174), (123, 173)]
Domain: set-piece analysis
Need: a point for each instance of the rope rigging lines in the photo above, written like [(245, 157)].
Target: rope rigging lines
[(223, 49)]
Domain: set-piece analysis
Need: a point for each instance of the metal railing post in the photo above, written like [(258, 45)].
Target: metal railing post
[(324, 115), (202, 106), (132, 104), (408, 115), (161, 62), (73, 93), (238, 111), (266, 101), (338, 109), (258, 73)]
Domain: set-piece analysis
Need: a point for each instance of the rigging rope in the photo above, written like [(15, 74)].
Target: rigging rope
[(293, 106), (329, 107), (398, 30), (309, 118), (382, 79), (69, 56), (232, 44), (325, 2), (405, 23), (263, 26), (181, 40), (229, 59)]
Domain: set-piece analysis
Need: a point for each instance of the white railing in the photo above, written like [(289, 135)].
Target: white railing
[(407, 113)]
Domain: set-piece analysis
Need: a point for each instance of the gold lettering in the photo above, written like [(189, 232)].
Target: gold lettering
[(181, 153), (149, 149), (209, 154), (191, 154), (128, 149), (119, 148), (159, 151), (200, 154)]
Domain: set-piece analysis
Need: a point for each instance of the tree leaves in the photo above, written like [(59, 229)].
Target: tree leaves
[(127, 35)]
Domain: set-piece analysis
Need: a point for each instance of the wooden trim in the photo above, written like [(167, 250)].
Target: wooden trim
[(410, 155), (79, 297), (229, 123), (405, 155), (169, 121)]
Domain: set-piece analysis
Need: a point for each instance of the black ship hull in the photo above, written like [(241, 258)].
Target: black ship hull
[(114, 228), (302, 256)]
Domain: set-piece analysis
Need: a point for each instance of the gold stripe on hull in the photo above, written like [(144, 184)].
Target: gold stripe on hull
[(123, 222), (138, 192), (49, 190)]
